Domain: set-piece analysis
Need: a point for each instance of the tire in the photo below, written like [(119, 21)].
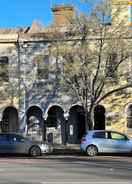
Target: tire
[(92, 150), (35, 151)]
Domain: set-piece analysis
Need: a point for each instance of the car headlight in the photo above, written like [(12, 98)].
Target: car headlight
[(44, 147)]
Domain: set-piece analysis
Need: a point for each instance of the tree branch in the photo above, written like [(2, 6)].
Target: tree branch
[(113, 91)]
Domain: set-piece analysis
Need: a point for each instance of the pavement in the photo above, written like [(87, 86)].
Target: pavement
[(66, 169), (67, 149), (66, 165)]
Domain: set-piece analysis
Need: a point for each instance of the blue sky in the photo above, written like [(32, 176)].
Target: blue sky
[(21, 13)]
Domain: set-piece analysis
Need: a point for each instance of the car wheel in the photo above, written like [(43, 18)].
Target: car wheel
[(35, 151), (92, 150)]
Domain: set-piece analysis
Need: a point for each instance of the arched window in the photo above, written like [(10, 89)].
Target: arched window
[(99, 117), (10, 122)]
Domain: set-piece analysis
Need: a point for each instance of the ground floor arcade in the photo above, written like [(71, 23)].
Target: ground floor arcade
[(56, 128)]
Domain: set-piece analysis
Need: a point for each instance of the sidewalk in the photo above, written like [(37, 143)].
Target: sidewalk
[(67, 149)]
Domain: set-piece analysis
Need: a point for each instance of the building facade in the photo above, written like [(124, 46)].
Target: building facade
[(33, 101)]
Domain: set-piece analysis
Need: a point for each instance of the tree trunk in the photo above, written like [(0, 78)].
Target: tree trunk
[(88, 121)]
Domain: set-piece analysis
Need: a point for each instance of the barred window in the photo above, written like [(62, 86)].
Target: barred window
[(4, 73)]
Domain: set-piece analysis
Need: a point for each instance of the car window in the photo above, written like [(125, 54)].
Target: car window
[(20, 138), (3, 137), (10, 137), (101, 135), (117, 136), (15, 138)]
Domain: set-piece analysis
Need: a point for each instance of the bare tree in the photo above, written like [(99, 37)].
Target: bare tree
[(96, 58)]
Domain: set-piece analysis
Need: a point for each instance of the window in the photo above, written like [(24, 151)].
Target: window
[(117, 136), (111, 71), (129, 116), (42, 66), (4, 74), (102, 135), (3, 137)]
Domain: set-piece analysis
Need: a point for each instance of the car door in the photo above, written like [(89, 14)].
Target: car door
[(119, 143), (19, 144), (4, 143), (100, 140)]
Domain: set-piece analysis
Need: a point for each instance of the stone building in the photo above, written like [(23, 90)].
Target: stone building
[(32, 101)]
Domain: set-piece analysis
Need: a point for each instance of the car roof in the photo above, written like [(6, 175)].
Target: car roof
[(9, 133), (94, 131)]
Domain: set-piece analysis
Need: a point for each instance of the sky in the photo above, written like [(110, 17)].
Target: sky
[(21, 13)]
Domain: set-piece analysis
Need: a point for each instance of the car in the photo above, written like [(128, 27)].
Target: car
[(102, 141), (13, 143)]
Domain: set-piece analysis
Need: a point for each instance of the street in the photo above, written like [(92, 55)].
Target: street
[(66, 169)]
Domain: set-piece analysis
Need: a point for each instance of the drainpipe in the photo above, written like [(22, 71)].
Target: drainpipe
[(18, 70)]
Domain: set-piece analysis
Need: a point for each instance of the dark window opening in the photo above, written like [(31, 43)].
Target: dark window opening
[(4, 74), (55, 116), (99, 117), (10, 121), (42, 66), (129, 116), (111, 71)]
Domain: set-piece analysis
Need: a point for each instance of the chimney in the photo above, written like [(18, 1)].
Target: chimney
[(35, 28), (63, 15)]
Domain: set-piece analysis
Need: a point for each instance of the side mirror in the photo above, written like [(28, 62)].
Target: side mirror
[(126, 139)]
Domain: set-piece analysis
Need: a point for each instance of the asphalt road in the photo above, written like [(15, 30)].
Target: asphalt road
[(68, 169)]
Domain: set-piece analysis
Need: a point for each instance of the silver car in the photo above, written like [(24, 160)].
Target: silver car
[(17, 144), (101, 141)]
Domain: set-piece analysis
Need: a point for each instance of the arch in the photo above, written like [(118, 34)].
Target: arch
[(99, 117), (76, 124), (129, 115), (10, 121), (53, 115), (49, 107), (35, 122), (55, 120)]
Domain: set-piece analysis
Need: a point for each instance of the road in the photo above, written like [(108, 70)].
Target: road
[(67, 169)]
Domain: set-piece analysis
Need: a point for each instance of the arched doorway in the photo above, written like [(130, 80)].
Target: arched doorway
[(129, 116), (99, 117), (76, 124), (56, 124), (10, 121), (35, 123)]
